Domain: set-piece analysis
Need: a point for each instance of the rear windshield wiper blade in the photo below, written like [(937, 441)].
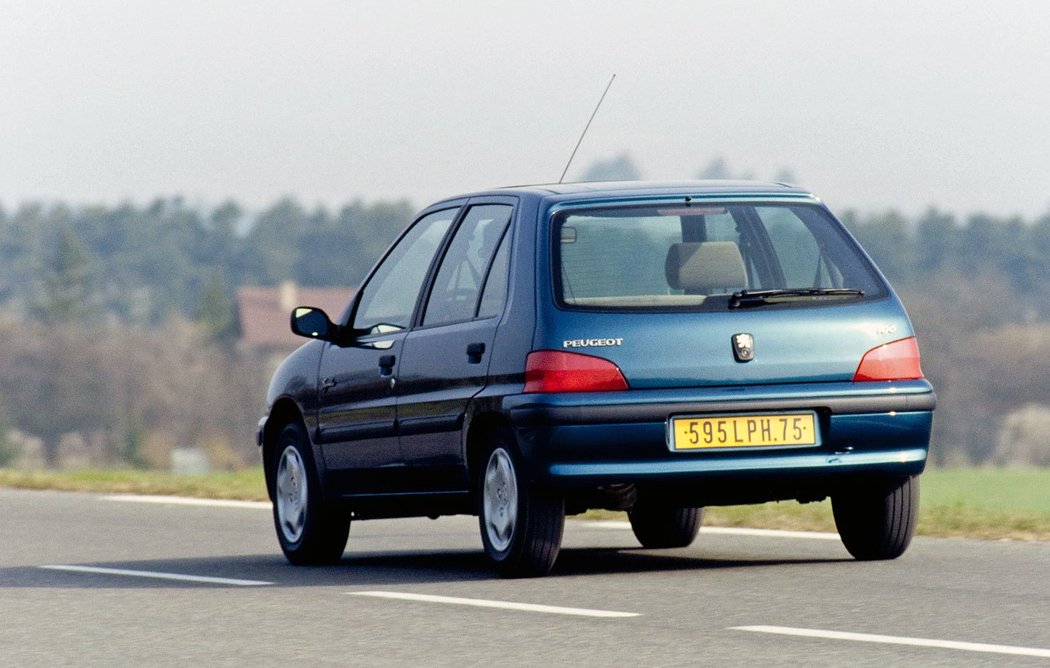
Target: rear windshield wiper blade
[(745, 298)]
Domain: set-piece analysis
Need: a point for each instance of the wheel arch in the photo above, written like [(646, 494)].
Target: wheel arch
[(284, 412), (482, 428)]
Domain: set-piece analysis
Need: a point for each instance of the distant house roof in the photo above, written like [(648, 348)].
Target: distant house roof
[(263, 312)]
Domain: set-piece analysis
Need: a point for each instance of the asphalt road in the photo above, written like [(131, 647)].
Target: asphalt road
[(417, 592)]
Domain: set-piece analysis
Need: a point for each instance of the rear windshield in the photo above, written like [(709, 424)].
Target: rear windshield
[(696, 257)]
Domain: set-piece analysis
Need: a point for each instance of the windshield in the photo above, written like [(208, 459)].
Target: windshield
[(695, 257)]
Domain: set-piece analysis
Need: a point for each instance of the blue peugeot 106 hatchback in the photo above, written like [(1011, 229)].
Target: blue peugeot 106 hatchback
[(526, 353)]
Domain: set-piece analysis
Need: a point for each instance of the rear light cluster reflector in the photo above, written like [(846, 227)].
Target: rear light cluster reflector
[(558, 371)]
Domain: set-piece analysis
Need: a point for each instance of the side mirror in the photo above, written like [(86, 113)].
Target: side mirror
[(313, 323)]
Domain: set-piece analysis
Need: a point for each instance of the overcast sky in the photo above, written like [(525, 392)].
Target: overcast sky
[(871, 105)]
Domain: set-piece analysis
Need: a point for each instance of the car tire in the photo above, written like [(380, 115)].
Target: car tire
[(658, 524), (310, 530), (876, 519), (521, 523)]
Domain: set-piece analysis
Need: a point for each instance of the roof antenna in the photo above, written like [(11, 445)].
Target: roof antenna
[(587, 127)]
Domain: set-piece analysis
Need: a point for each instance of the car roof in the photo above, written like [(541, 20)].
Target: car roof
[(627, 189)]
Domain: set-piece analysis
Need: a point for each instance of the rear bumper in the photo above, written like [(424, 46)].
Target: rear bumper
[(592, 439)]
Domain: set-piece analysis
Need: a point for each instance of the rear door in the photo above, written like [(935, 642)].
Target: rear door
[(446, 357)]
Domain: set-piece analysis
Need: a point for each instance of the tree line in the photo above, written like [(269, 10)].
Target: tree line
[(117, 324), (978, 293), (138, 265)]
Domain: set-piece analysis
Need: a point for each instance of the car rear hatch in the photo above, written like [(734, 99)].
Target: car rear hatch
[(711, 294)]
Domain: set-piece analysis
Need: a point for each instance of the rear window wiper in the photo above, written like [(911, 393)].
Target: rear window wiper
[(746, 298)]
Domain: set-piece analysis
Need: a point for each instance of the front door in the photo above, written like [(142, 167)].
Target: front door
[(357, 382), (358, 413)]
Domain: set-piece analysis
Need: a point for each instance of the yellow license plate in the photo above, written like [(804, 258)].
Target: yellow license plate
[(743, 431)]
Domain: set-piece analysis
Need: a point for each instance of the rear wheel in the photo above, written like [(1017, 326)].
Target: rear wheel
[(309, 529), (657, 524), (876, 519), (521, 523)]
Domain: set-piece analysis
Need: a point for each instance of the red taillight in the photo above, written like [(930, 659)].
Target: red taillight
[(898, 360), (557, 371)]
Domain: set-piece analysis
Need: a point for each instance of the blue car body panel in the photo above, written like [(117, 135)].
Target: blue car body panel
[(624, 438)]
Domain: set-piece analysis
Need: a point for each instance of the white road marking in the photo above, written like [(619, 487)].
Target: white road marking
[(898, 640), (188, 501), (502, 605), (770, 533), (156, 575), (725, 531)]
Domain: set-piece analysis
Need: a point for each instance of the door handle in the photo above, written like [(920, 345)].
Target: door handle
[(474, 352)]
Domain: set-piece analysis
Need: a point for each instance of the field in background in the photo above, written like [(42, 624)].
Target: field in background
[(976, 503)]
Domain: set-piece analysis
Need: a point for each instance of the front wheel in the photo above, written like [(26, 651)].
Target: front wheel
[(876, 519), (310, 530), (521, 524)]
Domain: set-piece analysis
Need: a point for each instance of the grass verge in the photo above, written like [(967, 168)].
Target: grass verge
[(974, 503), (243, 485)]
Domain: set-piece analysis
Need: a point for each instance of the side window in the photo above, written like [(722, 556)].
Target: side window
[(390, 296), (722, 227), (495, 292), (454, 297), (798, 253)]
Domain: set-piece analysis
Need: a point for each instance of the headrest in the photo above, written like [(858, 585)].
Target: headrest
[(704, 267)]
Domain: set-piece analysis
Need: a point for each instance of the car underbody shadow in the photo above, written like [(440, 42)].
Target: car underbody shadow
[(371, 569), (592, 561)]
